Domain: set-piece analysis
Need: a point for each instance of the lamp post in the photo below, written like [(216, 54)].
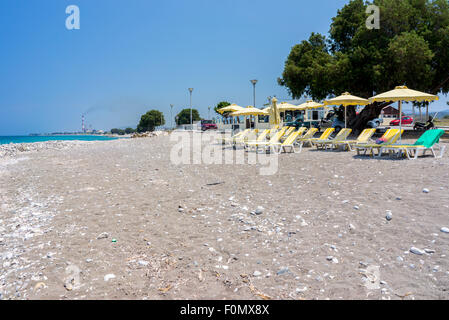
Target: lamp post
[(191, 121), (254, 100), (171, 116), (254, 92)]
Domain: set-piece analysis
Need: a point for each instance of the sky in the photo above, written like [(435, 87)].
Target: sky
[(132, 56)]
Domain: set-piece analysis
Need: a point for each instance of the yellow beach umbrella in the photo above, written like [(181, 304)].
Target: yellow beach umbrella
[(284, 106), (249, 111), (310, 104), (231, 108), (275, 117), (347, 99), (402, 93)]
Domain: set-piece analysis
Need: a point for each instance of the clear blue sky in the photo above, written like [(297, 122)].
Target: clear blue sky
[(135, 55)]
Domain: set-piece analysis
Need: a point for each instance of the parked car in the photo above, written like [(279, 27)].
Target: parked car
[(338, 125), (299, 123), (374, 123), (208, 125), (405, 120)]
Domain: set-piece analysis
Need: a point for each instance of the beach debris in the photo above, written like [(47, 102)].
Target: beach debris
[(109, 276), (429, 250), (103, 235), (39, 285), (300, 290), (282, 271), (425, 190), (114, 240), (389, 215), (214, 183), (257, 273), (143, 263), (416, 251), (351, 226), (444, 229), (180, 208), (356, 207), (259, 210), (166, 289)]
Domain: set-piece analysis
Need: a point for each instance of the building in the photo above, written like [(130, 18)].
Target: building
[(390, 112)]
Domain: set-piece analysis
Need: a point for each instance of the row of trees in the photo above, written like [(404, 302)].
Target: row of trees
[(154, 118)]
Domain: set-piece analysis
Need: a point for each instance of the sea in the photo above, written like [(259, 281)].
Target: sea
[(31, 139)]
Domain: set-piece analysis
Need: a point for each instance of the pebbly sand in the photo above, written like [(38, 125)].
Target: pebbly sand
[(118, 220)]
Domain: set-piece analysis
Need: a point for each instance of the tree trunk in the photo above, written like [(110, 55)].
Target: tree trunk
[(370, 112)]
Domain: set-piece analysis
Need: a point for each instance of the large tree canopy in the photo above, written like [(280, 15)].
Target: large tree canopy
[(410, 48), (150, 120), (184, 116)]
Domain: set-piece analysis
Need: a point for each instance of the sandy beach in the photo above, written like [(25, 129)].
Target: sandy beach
[(118, 220)]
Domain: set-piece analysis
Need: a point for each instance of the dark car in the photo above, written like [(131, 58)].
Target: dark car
[(208, 125), (298, 123)]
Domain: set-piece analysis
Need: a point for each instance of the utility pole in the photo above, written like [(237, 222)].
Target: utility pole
[(171, 116)]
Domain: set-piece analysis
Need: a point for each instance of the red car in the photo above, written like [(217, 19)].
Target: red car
[(405, 120), (208, 125)]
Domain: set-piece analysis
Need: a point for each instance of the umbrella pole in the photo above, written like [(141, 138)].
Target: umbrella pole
[(400, 121), (345, 117)]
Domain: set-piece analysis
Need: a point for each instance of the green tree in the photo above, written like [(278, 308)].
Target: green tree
[(184, 116), (150, 120), (129, 130), (220, 105), (410, 48)]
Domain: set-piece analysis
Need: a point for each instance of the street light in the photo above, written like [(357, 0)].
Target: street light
[(254, 92), (254, 99), (171, 115), (191, 121)]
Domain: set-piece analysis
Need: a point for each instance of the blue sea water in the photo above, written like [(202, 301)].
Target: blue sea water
[(31, 139)]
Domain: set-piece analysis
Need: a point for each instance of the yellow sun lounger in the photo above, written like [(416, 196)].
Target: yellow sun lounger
[(324, 136), (391, 135), (288, 132), (236, 136), (308, 135), (289, 142), (362, 138), (276, 138), (261, 137), (341, 136)]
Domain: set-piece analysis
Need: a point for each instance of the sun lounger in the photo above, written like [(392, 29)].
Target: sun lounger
[(288, 132), (341, 136), (324, 136), (261, 137), (275, 139), (239, 134), (289, 143), (362, 138), (308, 135), (429, 141), (391, 136)]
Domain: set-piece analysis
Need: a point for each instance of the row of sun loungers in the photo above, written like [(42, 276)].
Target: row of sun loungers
[(287, 139)]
